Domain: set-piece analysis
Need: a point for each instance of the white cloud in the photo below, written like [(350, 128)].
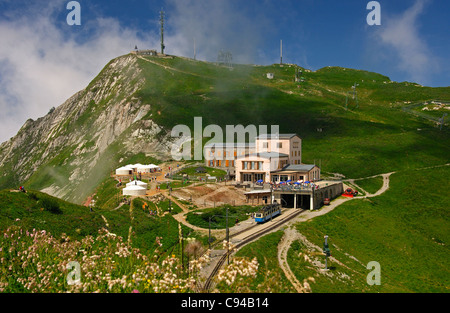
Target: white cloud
[(400, 35), (217, 25), (41, 66)]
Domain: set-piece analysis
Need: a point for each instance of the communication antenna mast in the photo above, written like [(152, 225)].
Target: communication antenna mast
[(162, 31), (225, 58), (195, 53), (281, 51)]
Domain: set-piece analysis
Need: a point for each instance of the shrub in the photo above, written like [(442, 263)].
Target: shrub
[(50, 205)]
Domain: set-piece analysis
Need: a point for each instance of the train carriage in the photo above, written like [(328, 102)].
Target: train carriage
[(267, 212)]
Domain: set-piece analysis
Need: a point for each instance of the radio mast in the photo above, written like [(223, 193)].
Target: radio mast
[(281, 51), (162, 31)]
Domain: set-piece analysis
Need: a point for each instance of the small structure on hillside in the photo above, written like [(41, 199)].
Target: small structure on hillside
[(134, 190), (150, 168), (137, 183), (132, 169), (270, 75), (122, 171)]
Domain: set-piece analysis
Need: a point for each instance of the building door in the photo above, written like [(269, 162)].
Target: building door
[(303, 202)]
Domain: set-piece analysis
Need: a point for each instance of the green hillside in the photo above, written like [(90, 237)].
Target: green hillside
[(372, 136), (405, 229), (36, 210), (358, 139)]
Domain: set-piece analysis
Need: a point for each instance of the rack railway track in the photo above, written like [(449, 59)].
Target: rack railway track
[(252, 236)]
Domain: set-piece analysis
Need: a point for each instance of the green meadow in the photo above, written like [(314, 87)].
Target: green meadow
[(405, 229)]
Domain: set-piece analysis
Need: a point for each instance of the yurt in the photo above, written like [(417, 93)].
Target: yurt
[(144, 169), (134, 190), (148, 168), (137, 183), (134, 167), (124, 171)]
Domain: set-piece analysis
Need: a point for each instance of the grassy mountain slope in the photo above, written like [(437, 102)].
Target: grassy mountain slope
[(132, 105), (405, 230), (375, 137), (36, 210), (127, 111), (68, 152)]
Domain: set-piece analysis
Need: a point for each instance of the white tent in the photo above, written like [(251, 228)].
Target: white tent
[(134, 190), (137, 183), (124, 171), (147, 168), (133, 166)]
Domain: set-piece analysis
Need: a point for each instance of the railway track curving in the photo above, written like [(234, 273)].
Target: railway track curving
[(275, 224)]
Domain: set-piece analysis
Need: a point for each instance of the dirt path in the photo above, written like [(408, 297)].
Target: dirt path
[(168, 68), (291, 234)]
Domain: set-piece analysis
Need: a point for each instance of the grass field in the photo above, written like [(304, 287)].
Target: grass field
[(269, 278), (201, 218), (377, 137), (405, 230)]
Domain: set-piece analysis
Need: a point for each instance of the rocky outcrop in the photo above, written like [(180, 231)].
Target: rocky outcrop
[(60, 151)]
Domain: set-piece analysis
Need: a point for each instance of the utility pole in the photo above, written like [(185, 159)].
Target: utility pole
[(346, 101), (162, 31), (442, 120), (228, 240), (355, 94)]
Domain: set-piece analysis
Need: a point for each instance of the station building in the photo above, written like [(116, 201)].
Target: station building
[(273, 167)]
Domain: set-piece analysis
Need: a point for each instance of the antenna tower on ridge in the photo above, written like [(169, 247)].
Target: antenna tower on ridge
[(281, 51), (162, 31)]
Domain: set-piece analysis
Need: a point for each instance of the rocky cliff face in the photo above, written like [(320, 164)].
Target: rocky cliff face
[(68, 151)]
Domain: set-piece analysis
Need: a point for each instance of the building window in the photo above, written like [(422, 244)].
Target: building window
[(265, 145), (279, 145), (259, 177)]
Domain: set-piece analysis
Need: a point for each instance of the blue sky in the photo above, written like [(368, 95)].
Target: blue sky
[(43, 60)]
